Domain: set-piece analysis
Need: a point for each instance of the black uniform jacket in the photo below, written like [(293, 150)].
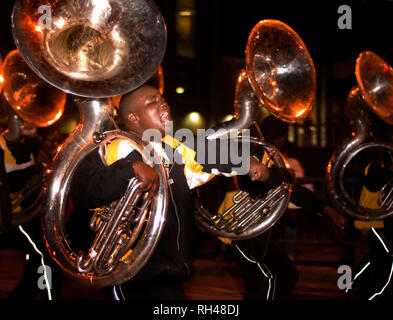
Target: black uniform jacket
[(95, 184)]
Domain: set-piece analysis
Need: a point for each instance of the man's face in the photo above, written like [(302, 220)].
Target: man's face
[(152, 111)]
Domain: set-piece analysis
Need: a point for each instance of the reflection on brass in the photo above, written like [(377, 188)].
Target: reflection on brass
[(375, 80), (279, 76), (33, 99), (93, 48), (281, 70)]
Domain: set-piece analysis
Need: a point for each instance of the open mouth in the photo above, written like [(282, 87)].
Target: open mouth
[(165, 117)]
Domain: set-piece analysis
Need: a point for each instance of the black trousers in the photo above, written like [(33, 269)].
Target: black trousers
[(150, 289), (28, 287), (268, 272), (375, 269)]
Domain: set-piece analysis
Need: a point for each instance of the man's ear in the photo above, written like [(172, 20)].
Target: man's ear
[(132, 117)]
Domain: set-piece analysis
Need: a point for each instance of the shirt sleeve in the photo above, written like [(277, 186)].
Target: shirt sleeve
[(23, 149), (202, 159), (205, 159), (308, 200), (94, 184)]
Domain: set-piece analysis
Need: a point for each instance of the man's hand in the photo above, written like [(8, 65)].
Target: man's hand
[(28, 129), (338, 219), (148, 176), (258, 171)]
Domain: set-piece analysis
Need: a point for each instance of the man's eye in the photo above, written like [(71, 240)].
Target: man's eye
[(151, 102)]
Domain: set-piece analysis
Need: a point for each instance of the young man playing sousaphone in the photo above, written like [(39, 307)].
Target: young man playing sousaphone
[(95, 185)]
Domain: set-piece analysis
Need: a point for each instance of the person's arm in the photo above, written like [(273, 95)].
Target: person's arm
[(94, 184), (203, 160), (277, 176), (310, 202), (307, 200)]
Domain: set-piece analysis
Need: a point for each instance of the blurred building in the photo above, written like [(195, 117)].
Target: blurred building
[(205, 52)]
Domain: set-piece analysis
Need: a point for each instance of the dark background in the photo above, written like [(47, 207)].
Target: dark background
[(206, 58)]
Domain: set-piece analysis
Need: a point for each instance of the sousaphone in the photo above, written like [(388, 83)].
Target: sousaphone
[(374, 91), (279, 76), (96, 50), (36, 102)]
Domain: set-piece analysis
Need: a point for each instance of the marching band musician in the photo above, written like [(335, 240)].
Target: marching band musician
[(268, 271), (20, 144), (20, 148), (374, 272), (95, 185)]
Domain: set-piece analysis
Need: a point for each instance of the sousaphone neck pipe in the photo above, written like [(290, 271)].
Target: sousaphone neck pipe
[(247, 110), (94, 117)]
